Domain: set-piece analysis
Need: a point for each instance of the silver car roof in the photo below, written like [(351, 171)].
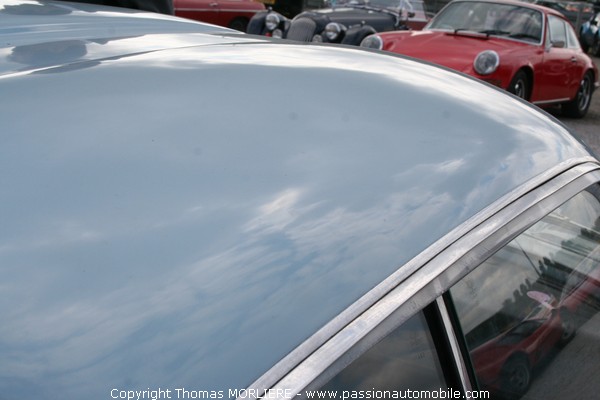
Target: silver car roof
[(185, 208)]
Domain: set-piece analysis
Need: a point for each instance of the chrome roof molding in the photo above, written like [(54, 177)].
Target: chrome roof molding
[(303, 365)]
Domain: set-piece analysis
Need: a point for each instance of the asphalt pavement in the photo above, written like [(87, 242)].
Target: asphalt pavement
[(555, 380), (587, 128)]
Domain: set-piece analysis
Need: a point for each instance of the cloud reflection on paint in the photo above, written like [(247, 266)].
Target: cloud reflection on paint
[(186, 242)]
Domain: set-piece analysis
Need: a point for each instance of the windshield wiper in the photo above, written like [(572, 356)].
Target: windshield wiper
[(495, 32), (524, 36), (468, 30)]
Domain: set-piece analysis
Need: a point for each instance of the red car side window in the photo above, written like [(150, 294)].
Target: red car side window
[(557, 30), (572, 41)]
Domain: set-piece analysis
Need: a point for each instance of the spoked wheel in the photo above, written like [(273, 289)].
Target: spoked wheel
[(578, 107), (239, 24), (520, 86)]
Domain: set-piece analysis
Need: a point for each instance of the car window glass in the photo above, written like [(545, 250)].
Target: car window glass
[(557, 30), (404, 360), (491, 18), (530, 313), (572, 41)]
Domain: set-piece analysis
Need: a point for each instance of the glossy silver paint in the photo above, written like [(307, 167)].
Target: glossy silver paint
[(166, 223)]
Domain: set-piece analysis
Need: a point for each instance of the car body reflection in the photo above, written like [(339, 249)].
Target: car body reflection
[(504, 363)]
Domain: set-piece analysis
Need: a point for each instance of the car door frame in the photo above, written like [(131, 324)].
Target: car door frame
[(561, 71), (422, 284)]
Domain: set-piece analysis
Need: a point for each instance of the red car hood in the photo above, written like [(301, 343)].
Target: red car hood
[(456, 51)]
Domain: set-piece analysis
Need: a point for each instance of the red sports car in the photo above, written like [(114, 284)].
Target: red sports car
[(505, 362), (233, 14), (531, 51)]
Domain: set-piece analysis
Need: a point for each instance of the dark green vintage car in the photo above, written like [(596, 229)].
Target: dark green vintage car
[(291, 8), (343, 21)]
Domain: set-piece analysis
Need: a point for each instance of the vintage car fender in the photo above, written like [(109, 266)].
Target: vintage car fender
[(355, 34)]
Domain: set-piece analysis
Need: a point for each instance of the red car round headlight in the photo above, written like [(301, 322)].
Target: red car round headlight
[(486, 62)]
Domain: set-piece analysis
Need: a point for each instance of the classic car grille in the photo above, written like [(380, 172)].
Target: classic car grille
[(302, 29)]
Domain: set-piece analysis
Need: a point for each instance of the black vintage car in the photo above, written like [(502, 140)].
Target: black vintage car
[(344, 21)]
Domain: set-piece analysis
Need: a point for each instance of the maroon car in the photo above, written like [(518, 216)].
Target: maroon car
[(233, 14)]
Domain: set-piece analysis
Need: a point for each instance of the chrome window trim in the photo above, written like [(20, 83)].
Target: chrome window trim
[(398, 316), (502, 236), (405, 291), (513, 227), (459, 361)]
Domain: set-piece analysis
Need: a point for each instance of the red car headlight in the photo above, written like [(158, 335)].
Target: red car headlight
[(486, 62)]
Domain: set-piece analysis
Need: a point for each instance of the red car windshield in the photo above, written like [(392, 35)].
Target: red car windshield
[(491, 19), (410, 5)]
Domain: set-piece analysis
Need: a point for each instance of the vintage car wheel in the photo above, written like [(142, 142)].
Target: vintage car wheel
[(516, 377), (578, 107), (355, 38), (519, 86), (239, 24)]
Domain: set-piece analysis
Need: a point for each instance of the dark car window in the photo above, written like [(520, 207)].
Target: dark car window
[(406, 359), (530, 313)]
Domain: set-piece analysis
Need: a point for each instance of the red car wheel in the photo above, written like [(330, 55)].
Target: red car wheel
[(578, 107), (516, 377), (520, 86)]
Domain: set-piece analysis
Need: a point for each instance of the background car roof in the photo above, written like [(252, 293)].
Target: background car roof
[(31, 22), (525, 3), (185, 208)]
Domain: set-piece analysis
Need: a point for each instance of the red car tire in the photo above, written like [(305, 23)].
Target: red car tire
[(520, 85), (578, 107)]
